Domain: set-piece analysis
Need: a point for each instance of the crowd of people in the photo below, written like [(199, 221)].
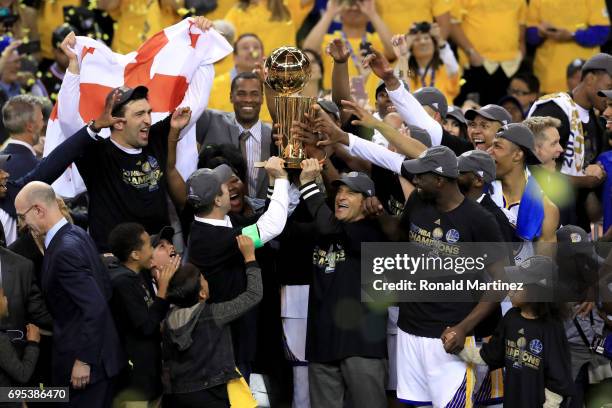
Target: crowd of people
[(437, 123)]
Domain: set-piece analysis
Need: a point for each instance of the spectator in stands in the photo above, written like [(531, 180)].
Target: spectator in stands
[(525, 87), (52, 79), (400, 15), (514, 108), (314, 87), (228, 31), (562, 31)]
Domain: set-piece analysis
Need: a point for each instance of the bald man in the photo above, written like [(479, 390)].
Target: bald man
[(86, 349)]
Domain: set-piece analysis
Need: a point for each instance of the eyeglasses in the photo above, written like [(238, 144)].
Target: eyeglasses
[(517, 92), (21, 217), (483, 125)]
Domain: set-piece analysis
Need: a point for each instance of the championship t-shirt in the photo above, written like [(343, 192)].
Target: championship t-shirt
[(388, 190), (126, 186), (535, 354), (425, 225)]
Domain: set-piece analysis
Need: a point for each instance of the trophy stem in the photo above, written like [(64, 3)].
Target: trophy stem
[(289, 109)]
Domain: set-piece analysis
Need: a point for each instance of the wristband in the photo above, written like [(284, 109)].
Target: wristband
[(253, 232), (91, 126)]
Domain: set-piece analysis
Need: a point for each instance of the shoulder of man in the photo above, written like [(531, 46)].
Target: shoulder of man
[(10, 256)]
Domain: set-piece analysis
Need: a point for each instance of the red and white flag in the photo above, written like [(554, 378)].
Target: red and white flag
[(176, 65)]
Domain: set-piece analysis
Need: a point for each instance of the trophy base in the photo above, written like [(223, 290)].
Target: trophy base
[(293, 163)]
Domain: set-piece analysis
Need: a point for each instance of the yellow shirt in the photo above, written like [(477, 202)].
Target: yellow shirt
[(136, 21), (220, 97), (552, 58), (51, 16), (256, 19), (492, 26), (169, 17), (223, 6), (447, 84), (371, 81), (224, 65), (399, 15)]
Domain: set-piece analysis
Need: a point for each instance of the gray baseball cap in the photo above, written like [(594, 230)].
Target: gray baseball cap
[(3, 159), (490, 112), (357, 181), (432, 97), (456, 113), (438, 159), (205, 184), (605, 93), (329, 107), (536, 270), (420, 134), (522, 136), (166, 233), (601, 61), (479, 163)]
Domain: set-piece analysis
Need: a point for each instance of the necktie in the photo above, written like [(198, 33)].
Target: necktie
[(248, 157)]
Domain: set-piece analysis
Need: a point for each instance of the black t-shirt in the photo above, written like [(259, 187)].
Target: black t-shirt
[(536, 356), (388, 190), (456, 144), (424, 224), (125, 187)]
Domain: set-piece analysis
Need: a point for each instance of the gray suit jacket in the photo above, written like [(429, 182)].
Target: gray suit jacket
[(217, 127)]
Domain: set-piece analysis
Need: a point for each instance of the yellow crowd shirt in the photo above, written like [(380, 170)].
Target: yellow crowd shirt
[(399, 15), (220, 97), (492, 26), (552, 57), (223, 6), (273, 34), (136, 21), (51, 16), (447, 84), (371, 81)]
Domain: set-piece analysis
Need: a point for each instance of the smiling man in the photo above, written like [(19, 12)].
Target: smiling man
[(242, 128), (484, 123)]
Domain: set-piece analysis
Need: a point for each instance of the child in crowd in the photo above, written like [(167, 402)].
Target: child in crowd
[(198, 358), (530, 341)]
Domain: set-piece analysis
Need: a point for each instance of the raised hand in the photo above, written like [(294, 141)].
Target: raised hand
[(435, 33), (247, 248), (401, 44), (379, 65), (372, 207), (202, 23), (364, 118), (106, 119), (367, 7), (311, 168), (338, 51), (304, 133), (333, 8), (166, 273), (180, 118), (325, 125), (66, 46), (275, 167)]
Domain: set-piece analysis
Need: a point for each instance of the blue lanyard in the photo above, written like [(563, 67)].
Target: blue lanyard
[(352, 52), (433, 76)]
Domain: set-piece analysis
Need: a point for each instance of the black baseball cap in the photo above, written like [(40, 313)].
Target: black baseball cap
[(479, 163), (166, 233), (599, 62), (457, 114), (536, 270), (438, 159), (204, 184), (432, 97), (490, 112), (605, 93), (3, 159), (358, 182), (574, 240), (521, 136), (60, 33), (127, 94)]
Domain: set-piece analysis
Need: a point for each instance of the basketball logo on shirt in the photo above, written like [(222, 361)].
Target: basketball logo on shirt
[(146, 175), (535, 346), (437, 233), (452, 236)]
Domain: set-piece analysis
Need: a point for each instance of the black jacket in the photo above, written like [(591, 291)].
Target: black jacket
[(138, 314), (197, 342)]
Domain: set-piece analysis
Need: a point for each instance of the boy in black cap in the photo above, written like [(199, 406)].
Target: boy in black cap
[(343, 359), (513, 150), (483, 123)]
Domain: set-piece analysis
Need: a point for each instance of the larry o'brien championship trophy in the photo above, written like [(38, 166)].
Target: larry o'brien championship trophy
[(287, 72)]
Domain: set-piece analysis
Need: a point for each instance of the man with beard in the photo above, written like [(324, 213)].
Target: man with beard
[(484, 123), (241, 128)]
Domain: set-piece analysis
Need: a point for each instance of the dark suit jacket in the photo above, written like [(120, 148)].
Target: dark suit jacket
[(21, 163), (217, 127), (25, 302), (76, 287)]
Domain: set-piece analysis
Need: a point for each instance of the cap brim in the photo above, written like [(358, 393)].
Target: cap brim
[(472, 113), (605, 93), (416, 166), (223, 172), (457, 116), (349, 183), (531, 159), (3, 159)]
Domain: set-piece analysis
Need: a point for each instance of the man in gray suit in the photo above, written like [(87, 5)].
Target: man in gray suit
[(242, 128)]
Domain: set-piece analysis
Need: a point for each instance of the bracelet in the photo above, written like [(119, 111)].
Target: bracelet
[(92, 127)]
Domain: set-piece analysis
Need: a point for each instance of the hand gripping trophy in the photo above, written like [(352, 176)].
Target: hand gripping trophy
[(287, 72)]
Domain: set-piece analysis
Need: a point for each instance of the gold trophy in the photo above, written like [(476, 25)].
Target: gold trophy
[(287, 72)]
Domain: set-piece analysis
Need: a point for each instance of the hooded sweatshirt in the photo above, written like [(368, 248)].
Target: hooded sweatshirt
[(197, 344)]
